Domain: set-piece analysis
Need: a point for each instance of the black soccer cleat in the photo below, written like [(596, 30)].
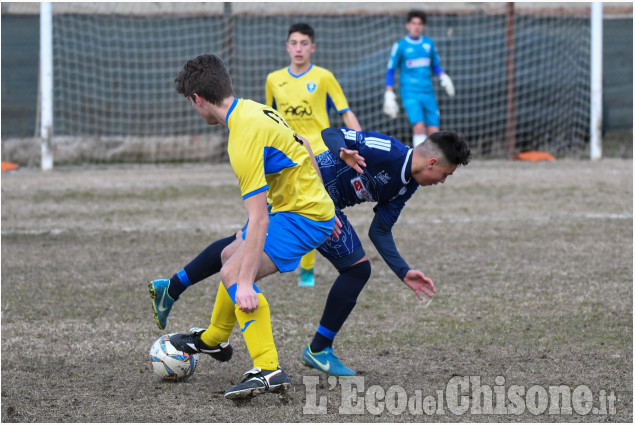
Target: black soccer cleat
[(192, 343), (257, 381)]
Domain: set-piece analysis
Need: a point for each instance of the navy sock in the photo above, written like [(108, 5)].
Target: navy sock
[(320, 342), (203, 266), (339, 303)]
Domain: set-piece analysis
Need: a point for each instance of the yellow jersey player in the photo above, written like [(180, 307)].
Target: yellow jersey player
[(273, 166), (304, 94)]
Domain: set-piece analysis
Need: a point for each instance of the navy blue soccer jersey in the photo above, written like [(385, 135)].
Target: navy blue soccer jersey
[(386, 179)]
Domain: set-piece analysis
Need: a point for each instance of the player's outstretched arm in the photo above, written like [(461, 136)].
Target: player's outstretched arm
[(350, 120), (418, 282), (380, 234)]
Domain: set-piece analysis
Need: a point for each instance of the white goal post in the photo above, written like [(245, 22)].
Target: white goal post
[(113, 94), (596, 81), (46, 85)]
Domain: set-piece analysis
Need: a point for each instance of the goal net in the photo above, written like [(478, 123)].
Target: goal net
[(522, 80)]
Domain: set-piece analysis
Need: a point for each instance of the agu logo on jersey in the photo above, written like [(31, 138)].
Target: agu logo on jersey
[(295, 111), (311, 87)]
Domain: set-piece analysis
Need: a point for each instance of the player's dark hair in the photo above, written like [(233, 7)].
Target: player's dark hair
[(207, 76), (417, 14), (302, 28), (453, 146)]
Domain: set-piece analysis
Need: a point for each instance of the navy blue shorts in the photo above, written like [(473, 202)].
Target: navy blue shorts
[(347, 249)]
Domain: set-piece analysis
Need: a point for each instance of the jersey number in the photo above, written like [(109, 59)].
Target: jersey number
[(274, 116), (278, 119)]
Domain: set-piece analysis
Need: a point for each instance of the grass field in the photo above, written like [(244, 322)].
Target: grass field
[(533, 264)]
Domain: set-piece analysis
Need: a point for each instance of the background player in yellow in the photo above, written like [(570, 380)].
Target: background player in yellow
[(273, 167), (304, 94)]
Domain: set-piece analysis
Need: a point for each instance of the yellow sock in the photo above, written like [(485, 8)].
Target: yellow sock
[(308, 260), (223, 319), (256, 329)]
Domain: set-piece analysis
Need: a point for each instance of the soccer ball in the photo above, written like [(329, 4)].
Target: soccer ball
[(169, 363)]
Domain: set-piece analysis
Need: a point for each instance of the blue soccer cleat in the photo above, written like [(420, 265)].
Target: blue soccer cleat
[(162, 302), (306, 278), (325, 361)]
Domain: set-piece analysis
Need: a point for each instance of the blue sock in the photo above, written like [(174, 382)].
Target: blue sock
[(203, 266), (339, 304)]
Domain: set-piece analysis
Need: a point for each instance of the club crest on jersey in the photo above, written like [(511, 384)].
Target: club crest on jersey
[(401, 192), (383, 177), (427, 47), (360, 190), (311, 87)]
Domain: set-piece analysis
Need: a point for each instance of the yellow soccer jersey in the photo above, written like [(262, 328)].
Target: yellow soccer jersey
[(305, 100), (265, 155)]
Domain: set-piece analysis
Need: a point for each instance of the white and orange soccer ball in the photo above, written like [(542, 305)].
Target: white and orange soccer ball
[(169, 363)]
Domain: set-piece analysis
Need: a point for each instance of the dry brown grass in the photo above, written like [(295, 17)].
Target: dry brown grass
[(533, 265)]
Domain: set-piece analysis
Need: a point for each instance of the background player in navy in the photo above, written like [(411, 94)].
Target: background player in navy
[(392, 173), (416, 58)]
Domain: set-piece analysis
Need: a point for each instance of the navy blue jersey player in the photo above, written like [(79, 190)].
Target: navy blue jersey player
[(390, 175), (385, 180)]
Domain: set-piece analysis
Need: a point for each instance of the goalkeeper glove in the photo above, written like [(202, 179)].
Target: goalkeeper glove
[(390, 104), (446, 83)]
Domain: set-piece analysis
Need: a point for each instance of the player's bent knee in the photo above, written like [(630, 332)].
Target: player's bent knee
[(366, 269), (359, 270), (230, 249), (227, 277), (350, 283)]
